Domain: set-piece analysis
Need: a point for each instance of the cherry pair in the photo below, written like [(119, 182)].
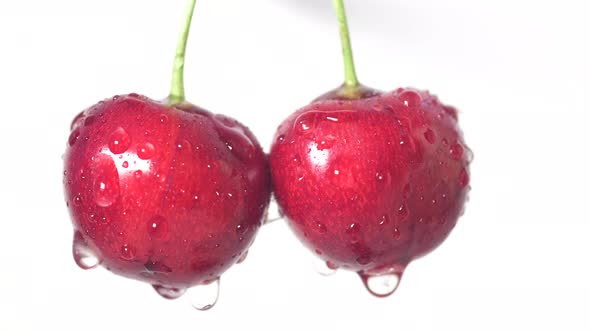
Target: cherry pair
[(173, 195)]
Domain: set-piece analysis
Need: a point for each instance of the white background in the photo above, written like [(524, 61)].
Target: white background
[(517, 70)]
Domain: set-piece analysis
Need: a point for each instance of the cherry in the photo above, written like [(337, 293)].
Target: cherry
[(371, 180), (164, 191)]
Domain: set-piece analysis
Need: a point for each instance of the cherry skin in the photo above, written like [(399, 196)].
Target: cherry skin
[(169, 195), (372, 182)]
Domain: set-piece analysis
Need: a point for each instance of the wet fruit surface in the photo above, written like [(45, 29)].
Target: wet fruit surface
[(372, 183), (172, 196)]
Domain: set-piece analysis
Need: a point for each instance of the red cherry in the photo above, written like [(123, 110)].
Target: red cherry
[(157, 193), (164, 192), (369, 180), (371, 189)]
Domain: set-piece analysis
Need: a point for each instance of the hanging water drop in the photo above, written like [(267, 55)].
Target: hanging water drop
[(83, 255), (243, 257), (324, 268), (169, 293), (382, 285), (204, 297)]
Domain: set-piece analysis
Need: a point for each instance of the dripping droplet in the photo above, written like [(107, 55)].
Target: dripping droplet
[(204, 297), (324, 268), (119, 141), (243, 257), (382, 285), (83, 256), (169, 293), (146, 151)]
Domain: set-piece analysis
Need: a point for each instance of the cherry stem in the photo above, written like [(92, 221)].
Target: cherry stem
[(350, 78), (177, 89)]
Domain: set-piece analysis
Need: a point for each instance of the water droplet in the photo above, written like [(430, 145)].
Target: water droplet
[(77, 200), (321, 228), (451, 111), (106, 190), (119, 141), (402, 212), (137, 174), (240, 229), (89, 120), (382, 285), (183, 145), (74, 137), (125, 164), (76, 122), (157, 227), (243, 257), (146, 151), (332, 118), (83, 255), (161, 177), (379, 176), (429, 136), (407, 191), (163, 118), (364, 259), (463, 178), (332, 265), (396, 233), (410, 98), (302, 126), (169, 293), (445, 141), (384, 220), (281, 139), (204, 297), (469, 155), (324, 268), (353, 228), (153, 267), (127, 252), (456, 151)]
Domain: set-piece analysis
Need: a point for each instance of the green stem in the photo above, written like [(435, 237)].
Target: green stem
[(350, 78), (177, 89)]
